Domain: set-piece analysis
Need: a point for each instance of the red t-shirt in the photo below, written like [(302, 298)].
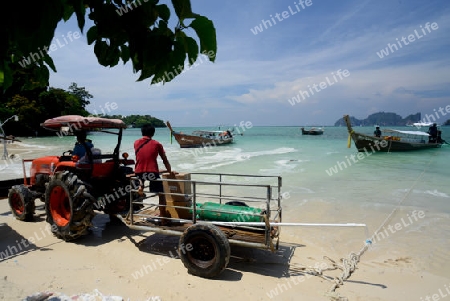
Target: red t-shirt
[(146, 158)]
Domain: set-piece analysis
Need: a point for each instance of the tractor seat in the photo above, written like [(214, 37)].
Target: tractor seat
[(96, 155)]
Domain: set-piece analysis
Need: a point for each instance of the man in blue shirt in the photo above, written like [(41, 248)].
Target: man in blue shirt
[(377, 132), (81, 144)]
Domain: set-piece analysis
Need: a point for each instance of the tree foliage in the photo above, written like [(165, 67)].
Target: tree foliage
[(81, 94), (59, 102), (27, 110), (123, 30), (37, 105), (137, 121)]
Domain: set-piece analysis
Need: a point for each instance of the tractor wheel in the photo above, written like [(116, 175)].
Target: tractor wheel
[(21, 202), (204, 250), (68, 206)]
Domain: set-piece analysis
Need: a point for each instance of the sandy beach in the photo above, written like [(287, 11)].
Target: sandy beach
[(135, 265)]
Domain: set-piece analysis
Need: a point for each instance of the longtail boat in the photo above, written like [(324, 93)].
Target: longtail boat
[(392, 140), (201, 138), (312, 131)]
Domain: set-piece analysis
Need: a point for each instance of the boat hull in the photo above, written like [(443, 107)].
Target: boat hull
[(313, 131), (364, 143), (191, 141)]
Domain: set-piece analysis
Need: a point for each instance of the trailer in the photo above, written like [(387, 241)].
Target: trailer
[(210, 212)]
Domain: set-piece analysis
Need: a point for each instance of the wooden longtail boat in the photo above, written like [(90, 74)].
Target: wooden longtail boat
[(392, 140), (201, 138), (312, 131)]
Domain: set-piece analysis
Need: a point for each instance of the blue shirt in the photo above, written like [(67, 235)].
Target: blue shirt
[(79, 149)]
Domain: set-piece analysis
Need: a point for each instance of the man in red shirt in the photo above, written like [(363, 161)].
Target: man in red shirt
[(146, 169)]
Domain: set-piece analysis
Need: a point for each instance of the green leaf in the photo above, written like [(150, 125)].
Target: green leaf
[(80, 11), (178, 56), (67, 10), (183, 9), (207, 35), (146, 73), (190, 46), (124, 53), (163, 12), (162, 25), (48, 60), (155, 54), (107, 55), (160, 73), (92, 34), (148, 67), (113, 56), (100, 52)]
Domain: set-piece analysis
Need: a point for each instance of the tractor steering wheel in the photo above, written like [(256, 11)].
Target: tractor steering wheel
[(67, 153)]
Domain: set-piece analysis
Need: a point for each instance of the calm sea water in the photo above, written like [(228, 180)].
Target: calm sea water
[(323, 181)]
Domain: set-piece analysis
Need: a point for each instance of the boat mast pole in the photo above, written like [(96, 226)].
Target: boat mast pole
[(171, 131), (350, 130)]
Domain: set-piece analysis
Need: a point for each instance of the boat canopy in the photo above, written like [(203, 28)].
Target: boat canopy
[(203, 132), (422, 124), (77, 122), (417, 133)]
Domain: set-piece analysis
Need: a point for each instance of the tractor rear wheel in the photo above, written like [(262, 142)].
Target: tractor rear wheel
[(21, 202), (68, 206), (204, 250)]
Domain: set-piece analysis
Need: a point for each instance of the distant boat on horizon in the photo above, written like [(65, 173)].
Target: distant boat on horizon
[(312, 131), (420, 124)]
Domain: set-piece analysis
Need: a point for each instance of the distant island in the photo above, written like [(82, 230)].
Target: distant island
[(382, 119), (137, 121)]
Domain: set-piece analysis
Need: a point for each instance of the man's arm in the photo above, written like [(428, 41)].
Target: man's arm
[(166, 162)]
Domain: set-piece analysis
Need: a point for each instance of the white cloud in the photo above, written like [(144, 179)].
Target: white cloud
[(254, 76)]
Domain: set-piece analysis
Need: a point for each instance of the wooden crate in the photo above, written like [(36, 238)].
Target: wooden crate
[(178, 200)]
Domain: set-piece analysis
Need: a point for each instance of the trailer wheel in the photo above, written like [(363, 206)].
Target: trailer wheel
[(21, 203), (204, 250), (69, 211)]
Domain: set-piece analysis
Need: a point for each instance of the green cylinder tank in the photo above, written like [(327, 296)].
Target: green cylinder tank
[(228, 213)]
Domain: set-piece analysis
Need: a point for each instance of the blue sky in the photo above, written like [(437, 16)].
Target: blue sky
[(301, 53)]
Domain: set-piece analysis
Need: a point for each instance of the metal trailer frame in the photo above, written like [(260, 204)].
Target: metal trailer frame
[(140, 220)]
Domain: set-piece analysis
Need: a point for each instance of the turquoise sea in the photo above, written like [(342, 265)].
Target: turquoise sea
[(323, 182)]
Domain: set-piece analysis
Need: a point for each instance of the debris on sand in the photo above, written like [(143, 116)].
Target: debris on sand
[(94, 296)]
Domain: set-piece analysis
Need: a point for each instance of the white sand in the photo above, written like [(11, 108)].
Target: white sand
[(139, 266)]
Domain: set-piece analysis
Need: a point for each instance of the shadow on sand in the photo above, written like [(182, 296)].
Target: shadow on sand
[(243, 259)]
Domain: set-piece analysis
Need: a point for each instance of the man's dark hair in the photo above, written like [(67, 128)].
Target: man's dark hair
[(148, 130), (81, 135)]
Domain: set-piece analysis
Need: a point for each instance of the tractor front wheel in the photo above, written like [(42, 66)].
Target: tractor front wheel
[(68, 206)]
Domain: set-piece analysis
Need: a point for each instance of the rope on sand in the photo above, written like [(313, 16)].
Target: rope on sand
[(348, 265)]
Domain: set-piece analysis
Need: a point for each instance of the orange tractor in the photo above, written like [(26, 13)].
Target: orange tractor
[(72, 188)]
